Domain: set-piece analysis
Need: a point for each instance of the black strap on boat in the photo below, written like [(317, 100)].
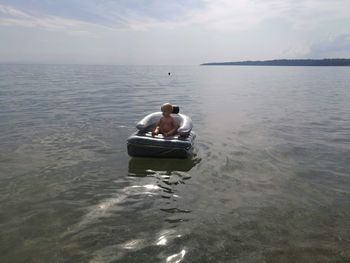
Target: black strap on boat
[(176, 109)]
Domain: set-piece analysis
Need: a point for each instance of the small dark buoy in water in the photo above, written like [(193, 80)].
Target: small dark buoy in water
[(169, 73)]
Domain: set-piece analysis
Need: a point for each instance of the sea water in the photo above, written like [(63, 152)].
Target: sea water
[(269, 181)]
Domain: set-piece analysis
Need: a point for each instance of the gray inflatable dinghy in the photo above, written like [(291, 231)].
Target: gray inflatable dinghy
[(142, 143)]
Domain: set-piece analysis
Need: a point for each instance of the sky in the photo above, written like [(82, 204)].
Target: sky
[(171, 32)]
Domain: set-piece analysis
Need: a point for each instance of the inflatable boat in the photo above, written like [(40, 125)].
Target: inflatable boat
[(143, 144)]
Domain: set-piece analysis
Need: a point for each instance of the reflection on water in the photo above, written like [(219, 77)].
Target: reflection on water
[(151, 184), (269, 183), (176, 258), (143, 166)]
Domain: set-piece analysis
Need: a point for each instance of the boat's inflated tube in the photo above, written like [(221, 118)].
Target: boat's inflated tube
[(148, 123), (142, 143)]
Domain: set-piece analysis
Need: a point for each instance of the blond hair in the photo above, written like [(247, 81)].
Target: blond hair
[(166, 107)]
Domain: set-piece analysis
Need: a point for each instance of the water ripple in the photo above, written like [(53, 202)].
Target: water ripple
[(269, 180)]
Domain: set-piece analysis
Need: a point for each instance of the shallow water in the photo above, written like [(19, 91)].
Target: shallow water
[(269, 182)]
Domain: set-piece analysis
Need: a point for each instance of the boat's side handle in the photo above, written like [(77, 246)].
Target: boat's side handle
[(148, 121), (185, 126)]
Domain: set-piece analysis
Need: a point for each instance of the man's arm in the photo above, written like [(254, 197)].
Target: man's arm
[(156, 129)]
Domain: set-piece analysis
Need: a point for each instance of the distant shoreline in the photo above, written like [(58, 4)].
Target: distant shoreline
[(285, 62)]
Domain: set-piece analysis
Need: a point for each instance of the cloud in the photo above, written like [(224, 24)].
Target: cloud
[(228, 15), (8, 11), (244, 28), (241, 15), (120, 15), (339, 44), (13, 17), (223, 15)]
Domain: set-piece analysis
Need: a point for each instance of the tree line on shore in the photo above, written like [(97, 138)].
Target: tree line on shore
[(285, 62)]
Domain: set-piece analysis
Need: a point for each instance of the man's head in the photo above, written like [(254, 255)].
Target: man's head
[(166, 108)]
